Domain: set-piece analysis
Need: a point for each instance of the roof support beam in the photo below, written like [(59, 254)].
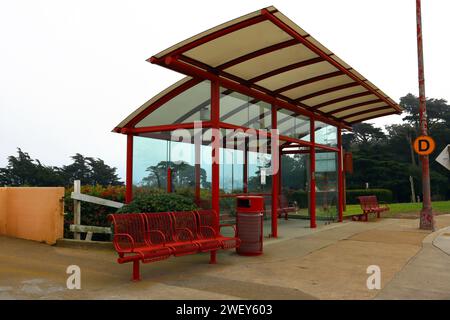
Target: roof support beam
[(210, 37), (321, 92), (185, 68), (371, 117), (257, 53), (352, 96), (356, 105), (308, 81), (366, 111), (286, 68)]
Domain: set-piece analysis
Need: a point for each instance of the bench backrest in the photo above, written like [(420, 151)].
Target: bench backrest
[(368, 202), (207, 219), (185, 220), (159, 227), (132, 224), (284, 203)]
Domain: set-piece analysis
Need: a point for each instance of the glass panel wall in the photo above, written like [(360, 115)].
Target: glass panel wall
[(325, 134), (149, 163), (244, 111), (326, 185), (293, 125), (153, 155), (295, 183)]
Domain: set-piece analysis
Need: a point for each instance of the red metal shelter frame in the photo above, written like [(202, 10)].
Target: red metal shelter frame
[(199, 71)]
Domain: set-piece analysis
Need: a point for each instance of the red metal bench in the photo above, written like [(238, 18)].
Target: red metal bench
[(284, 207), (370, 204), (150, 237)]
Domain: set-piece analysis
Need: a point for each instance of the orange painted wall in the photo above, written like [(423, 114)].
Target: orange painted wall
[(32, 213), (3, 210)]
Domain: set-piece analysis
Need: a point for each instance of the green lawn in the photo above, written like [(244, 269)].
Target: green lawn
[(441, 207), (398, 210)]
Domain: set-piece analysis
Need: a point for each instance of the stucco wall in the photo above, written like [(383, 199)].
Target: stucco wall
[(32, 213), (3, 207)]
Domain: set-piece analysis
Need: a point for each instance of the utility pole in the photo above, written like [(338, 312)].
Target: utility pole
[(426, 214)]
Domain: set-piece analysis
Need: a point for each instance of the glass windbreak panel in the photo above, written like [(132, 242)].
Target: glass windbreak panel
[(149, 164), (193, 104), (259, 175), (154, 153), (293, 125), (244, 111), (231, 178), (231, 170), (325, 134), (326, 185), (182, 163), (294, 196)]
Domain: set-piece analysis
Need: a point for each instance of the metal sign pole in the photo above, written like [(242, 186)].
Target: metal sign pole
[(426, 214)]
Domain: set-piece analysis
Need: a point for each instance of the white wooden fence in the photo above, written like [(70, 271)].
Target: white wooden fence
[(77, 228)]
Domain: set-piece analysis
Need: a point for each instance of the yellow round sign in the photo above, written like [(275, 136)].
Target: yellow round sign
[(424, 145)]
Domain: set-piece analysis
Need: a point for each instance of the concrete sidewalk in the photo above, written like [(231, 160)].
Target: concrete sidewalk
[(327, 263), (427, 275)]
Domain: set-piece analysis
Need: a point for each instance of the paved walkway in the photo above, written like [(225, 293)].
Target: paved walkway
[(326, 263), (427, 275)]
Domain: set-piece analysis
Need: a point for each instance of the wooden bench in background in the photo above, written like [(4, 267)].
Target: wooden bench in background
[(370, 204), (284, 207)]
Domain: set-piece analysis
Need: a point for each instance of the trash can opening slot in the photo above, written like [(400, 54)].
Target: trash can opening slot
[(243, 203)]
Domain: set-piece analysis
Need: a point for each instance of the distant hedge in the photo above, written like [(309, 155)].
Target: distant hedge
[(382, 195), (301, 197)]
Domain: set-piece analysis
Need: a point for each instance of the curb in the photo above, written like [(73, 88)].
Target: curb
[(83, 244)]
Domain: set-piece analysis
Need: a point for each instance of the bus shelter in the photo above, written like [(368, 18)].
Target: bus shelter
[(261, 111)]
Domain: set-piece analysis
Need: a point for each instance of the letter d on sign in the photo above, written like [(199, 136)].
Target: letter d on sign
[(74, 280), (374, 280)]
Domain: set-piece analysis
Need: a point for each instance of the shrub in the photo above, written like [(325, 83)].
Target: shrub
[(158, 202), (382, 195)]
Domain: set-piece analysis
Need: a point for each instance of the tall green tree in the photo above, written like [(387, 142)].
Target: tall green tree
[(22, 170)]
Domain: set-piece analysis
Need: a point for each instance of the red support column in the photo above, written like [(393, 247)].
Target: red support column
[(312, 184), (129, 175), (340, 174), (426, 214), (215, 170), (275, 177)]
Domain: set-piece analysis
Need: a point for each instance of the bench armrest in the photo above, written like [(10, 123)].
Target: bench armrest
[(182, 230), (122, 235), (159, 232)]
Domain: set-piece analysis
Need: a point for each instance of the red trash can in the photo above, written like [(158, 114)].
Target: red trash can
[(249, 224)]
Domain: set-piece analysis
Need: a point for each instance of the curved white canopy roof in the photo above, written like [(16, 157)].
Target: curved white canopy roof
[(268, 52)]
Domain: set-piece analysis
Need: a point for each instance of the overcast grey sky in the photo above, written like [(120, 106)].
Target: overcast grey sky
[(71, 70)]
